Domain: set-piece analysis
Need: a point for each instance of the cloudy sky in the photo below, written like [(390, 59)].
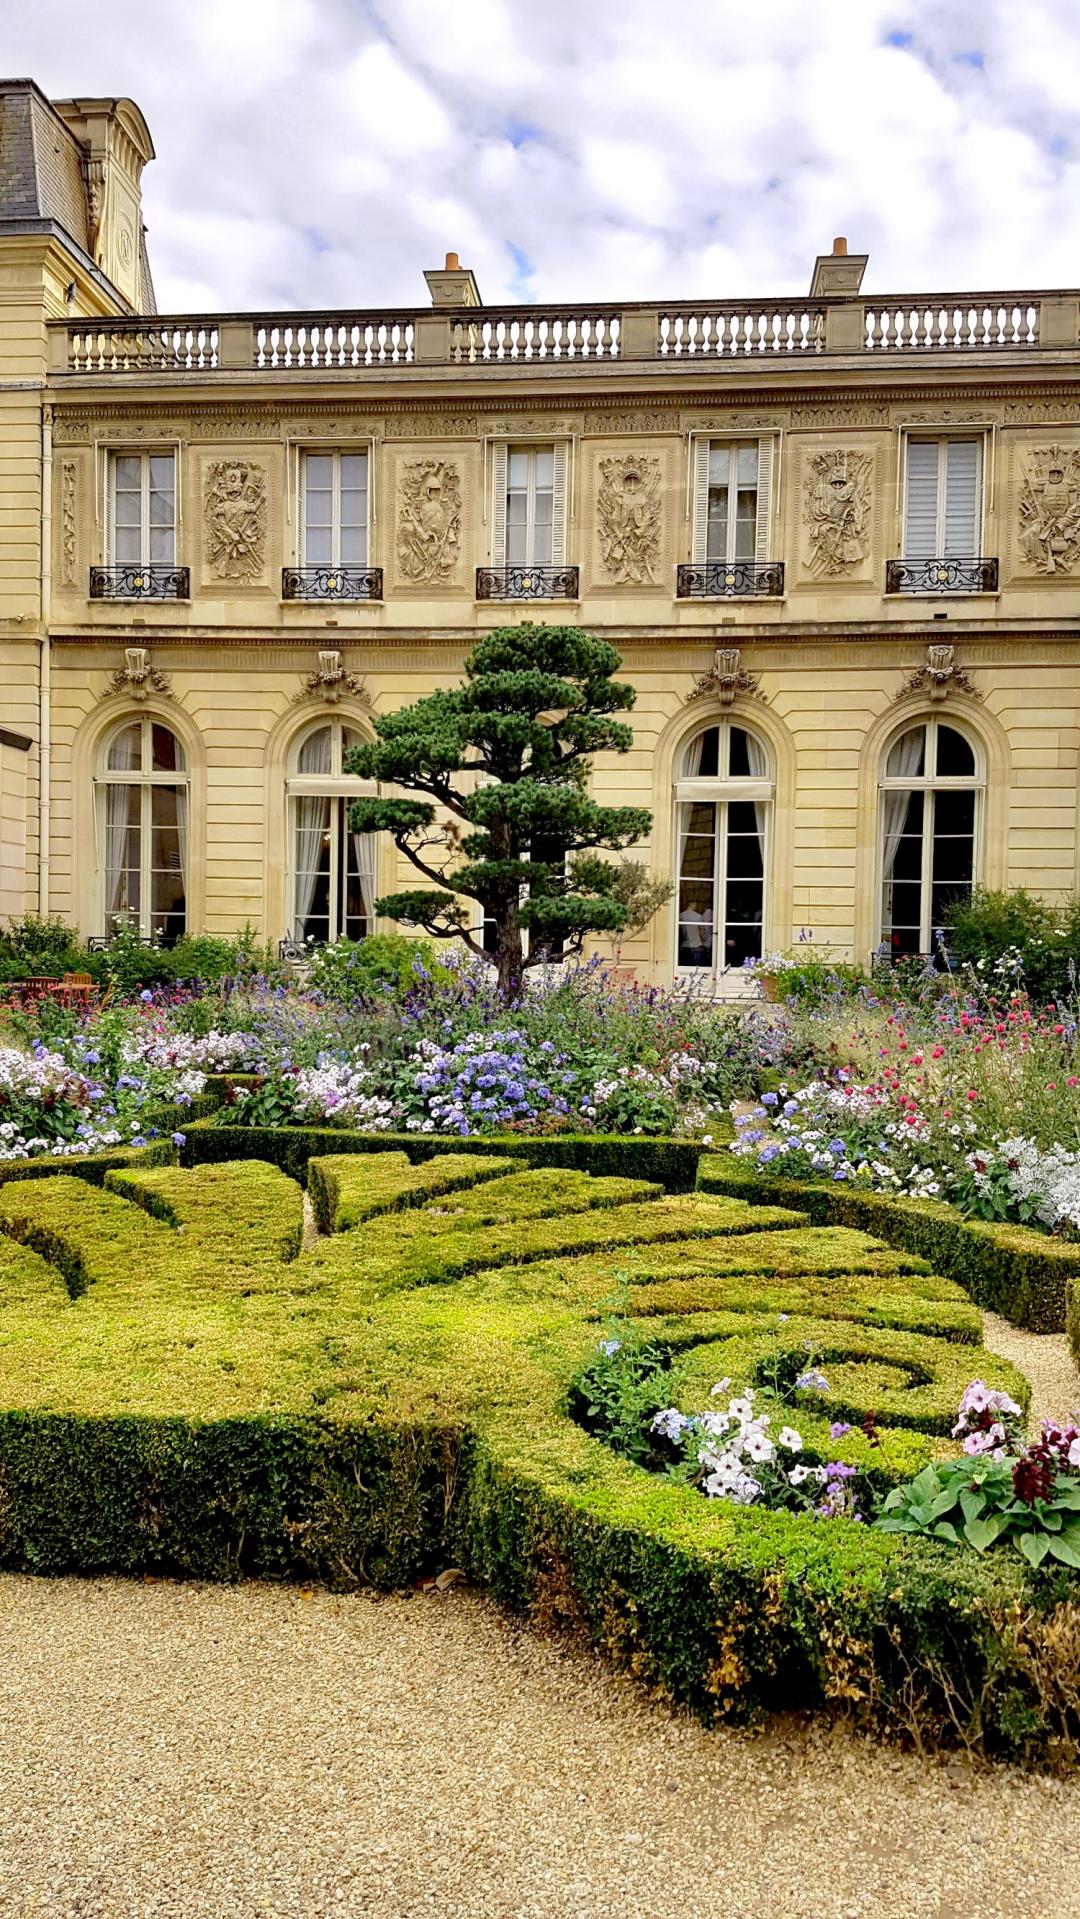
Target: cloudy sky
[(326, 151)]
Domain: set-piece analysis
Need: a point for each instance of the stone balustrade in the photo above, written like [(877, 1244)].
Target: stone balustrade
[(717, 333)]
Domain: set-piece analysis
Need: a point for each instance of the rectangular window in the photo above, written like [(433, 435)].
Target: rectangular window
[(530, 505), (334, 513), (142, 516), (943, 499), (732, 500)]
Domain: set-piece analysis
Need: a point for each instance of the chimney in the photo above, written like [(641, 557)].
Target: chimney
[(838, 272), (453, 285)]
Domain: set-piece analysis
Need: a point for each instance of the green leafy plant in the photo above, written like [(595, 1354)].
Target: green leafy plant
[(350, 970), (1024, 1496)]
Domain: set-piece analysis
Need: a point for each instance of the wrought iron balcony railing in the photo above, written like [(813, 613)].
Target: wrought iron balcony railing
[(944, 575), (331, 583), (730, 580), (527, 582), (140, 583)]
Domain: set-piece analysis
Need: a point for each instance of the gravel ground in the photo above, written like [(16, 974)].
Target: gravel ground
[(267, 1753), (1047, 1362)]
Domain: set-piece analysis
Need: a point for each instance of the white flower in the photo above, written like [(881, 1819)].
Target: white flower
[(791, 1439), (1073, 1454), (759, 1449), (742, 1408), (798, 1474)]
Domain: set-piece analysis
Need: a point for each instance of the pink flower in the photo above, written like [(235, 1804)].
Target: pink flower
[(971, 1094)]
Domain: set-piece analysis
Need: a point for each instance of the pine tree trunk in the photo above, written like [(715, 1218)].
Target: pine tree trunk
[(509, 958)]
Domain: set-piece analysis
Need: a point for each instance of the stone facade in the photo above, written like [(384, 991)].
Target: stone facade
[(775, 606)]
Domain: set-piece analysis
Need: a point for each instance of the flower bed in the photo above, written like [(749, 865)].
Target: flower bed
[(183, 1390)]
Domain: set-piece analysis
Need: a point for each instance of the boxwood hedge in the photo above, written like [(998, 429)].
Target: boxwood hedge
[(1018, 1272), (194, 1381)]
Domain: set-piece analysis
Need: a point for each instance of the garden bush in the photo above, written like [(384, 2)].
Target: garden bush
[(185, 1388), (1012, 1270)]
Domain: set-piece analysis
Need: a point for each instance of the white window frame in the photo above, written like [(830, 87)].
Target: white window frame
[(701, 448), (929, 785), (145, 780), (500, 463), (335, 785), (334, 454), (718, 791), (979, 437), (144, 455)]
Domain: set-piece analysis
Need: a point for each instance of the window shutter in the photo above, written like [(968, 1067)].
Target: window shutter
[(962, 489), (921, 535), (764, 502), (700, 541), (498, 504), (558, 506)]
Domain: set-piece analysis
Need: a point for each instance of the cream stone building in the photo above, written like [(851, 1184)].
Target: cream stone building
[(835, 538)]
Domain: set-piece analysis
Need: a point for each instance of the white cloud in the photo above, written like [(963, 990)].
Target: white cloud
[(327, 151)]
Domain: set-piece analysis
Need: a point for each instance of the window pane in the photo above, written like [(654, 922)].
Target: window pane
[(161, 474), (318, 546), (698, 822), (318, 472), (745, 524), (545, 468), (128, 471), (701, 756), (907, 756), (350, 738), (311, 864), (717, 530), (166, 752), (125, 749), (739, 754), (954, 813), (353, 546), (314, 754), (954, 756), (744, 860), (746, 470), (907, 864), (719, 465), (354, 471), (127, 546), (517, 469)]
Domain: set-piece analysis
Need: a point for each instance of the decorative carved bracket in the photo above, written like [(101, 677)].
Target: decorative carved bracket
[(725, 678), (137, 678), (330, 681), (941, 674)]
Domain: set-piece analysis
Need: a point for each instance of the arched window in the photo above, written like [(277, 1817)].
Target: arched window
[(331, 870), (142, 830), (930, 795), (723, 805)]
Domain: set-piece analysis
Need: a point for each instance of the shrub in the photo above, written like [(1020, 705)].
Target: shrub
[(385, 963), (1010, 1269), (33, 948), (1015, 936), (184, 1390)]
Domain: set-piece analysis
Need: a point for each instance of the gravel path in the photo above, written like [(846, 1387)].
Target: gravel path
[(265, 1753), (1046, 1360)]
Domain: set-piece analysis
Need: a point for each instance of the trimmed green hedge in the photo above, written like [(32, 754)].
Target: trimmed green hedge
[(671, 1163), (89, 1166), (186, 1388), (1012, 1270)]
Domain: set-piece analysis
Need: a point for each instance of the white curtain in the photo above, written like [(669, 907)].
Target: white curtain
[(312, 816), (182, 838), (758, 761), (905, 761), (124, 756), (116, 822), (364, 855), (691, 768)]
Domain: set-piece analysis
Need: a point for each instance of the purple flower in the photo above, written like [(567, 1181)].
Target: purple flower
[(146, 994), (838, 1428), (179, 1139)]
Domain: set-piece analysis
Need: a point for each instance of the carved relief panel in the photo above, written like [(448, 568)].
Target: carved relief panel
[(1047, 510), (235, 522), (836, 510), (627, 502), (432, 499)]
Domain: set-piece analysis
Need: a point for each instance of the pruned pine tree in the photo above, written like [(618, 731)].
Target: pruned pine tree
[(503, 764)]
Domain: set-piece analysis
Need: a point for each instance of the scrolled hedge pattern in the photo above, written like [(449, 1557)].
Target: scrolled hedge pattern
[(192, 1382)]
